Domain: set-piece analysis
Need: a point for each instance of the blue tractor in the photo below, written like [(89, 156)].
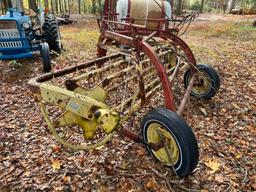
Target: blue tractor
[(22, 35)]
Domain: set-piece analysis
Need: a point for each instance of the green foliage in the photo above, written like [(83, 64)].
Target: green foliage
[(196, 5), (14, 64)]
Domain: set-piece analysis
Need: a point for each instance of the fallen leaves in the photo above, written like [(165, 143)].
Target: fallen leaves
[(31, 160), (203, 110), (151, 184), (56, 164), (213, 164), (56, 148), (67, 179)]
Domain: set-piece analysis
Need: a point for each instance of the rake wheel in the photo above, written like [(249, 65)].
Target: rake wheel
[(179, 149), (207, 82)]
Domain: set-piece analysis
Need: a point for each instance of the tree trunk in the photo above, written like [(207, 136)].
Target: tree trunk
[(68, 7), (100, 7), (46, 6), (18, 5), (65, 7), (93, 6), (84, 6), (5, 4), (202, 6), (60, 5), (52, 7), (79, 7), (179, 6), (32, 5), (56, 6), (184, 2), (231, 5)]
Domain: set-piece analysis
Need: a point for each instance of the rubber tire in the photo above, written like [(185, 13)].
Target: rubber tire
[(46, 57), (215, 81), (183, 135), (51, 34)]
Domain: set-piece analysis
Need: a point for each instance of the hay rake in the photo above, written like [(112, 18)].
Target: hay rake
[(140, 59)]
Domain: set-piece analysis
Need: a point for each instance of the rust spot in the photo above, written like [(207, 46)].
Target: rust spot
[(71, 85)]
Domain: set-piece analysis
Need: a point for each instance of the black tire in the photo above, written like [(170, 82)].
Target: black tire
[(46, 58), (181, 134), (210, 82), (51, 34)]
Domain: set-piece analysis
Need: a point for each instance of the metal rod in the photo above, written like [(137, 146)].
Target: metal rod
[(158, 80), (99, 70), (121, 83), (186, 96), (118, 74), (150, 36), (156, 88), (175, 71), (125, 24), (123, 104), (131, 78)]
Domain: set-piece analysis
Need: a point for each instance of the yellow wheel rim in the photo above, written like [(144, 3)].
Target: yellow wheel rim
[(157, 133), (202, 84)]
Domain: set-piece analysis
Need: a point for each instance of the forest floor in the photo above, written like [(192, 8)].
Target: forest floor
[(225, 126)]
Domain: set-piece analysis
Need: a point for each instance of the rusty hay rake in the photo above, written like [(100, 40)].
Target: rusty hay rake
[(141, 65)]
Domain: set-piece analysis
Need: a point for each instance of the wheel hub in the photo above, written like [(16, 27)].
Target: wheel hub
[(169, 154), (202, 84)]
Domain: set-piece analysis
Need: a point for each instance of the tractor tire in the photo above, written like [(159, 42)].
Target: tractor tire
[(209, 82), (46, 58), (180, 150), (51, 34)]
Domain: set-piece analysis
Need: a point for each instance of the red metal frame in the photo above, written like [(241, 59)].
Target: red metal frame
[(126, 36), (131, 35)]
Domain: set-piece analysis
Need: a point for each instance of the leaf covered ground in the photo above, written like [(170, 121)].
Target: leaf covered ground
[(225, 126)]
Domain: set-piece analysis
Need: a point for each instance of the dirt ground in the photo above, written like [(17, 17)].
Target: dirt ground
[(225, 126)]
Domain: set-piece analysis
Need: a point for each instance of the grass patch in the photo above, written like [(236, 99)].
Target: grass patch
[(79, 43), (234, 30), (83, 39)]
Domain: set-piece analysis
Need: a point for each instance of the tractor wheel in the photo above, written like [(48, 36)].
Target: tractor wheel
[(180, 149), (46, 58), (51, 33), (206, 84)]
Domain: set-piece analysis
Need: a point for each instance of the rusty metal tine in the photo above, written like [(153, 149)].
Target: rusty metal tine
[(128, 69), (150, 36), (124, 103), (158, 80), (96, 71), (115, 75), (121, 83), (159, 55), (175, 71), (152, 91), (186, 96), (133, 77)]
